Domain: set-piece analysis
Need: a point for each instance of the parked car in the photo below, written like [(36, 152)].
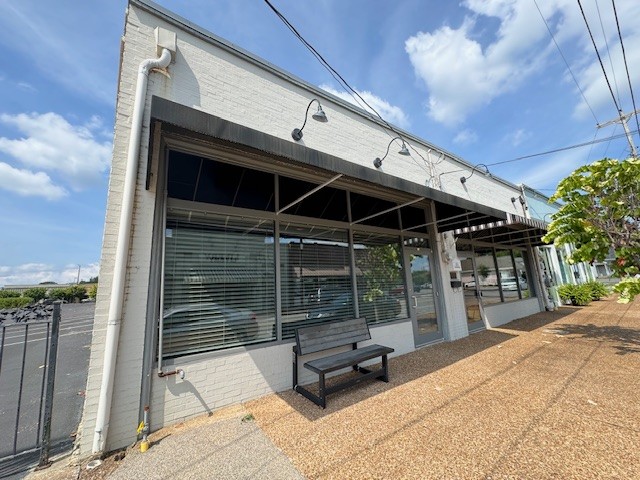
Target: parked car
[(383, 307), (219, 324), (511, 284)]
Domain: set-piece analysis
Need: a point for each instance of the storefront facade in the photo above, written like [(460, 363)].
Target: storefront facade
[(240, 232)]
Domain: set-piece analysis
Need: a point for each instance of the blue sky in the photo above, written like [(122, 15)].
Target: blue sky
[(483, 80)]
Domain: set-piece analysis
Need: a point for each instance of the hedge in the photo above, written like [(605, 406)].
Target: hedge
[(15, 302)]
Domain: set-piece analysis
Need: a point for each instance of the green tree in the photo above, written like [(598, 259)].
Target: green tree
[(92, 292), (483, 271), (600, 211), (37, 293), (9, 294), (381, 266)]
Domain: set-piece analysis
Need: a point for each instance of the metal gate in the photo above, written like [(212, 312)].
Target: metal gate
[(28, 354)]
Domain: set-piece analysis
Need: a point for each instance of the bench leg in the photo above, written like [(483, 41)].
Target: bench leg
[(322, 391), (295, 371), (385, 368)]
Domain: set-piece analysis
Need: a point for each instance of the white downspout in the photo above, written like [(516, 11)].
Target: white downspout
[(122, 251)]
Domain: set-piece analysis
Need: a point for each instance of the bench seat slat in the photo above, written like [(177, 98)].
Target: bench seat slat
[(326, 336), (347, 359), (331, 335)]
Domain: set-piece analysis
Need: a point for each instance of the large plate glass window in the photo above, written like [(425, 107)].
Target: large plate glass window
[(315, 276), (219, 283), (380, 277), (486, 280), (521, 274)]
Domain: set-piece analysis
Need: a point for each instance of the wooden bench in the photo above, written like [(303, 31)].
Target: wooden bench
[(318, 338)]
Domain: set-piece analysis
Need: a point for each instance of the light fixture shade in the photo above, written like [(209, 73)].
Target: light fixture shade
[(403, 151), (463, 180), (320, 116)]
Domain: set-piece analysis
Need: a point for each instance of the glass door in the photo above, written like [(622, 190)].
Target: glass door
[(421, 295), (471, 290)]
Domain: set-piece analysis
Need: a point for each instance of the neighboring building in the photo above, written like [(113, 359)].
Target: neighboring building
[(554, 261), (223, 233)]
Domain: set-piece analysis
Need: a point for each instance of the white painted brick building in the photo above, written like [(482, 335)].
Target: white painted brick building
[(459, 255)]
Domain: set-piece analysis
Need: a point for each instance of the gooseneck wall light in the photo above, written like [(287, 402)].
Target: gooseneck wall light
[(464, 179), (319, 115), (403, 151)]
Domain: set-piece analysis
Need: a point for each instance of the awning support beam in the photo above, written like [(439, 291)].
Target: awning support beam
[(406, 204), (310, 192)]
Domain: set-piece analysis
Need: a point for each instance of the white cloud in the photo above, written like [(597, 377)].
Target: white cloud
[(390, 113), (27, 87), (54, 39), (35, 273), (461, 75), (51, 144), (517, 137), (466, 137), (29, 184)]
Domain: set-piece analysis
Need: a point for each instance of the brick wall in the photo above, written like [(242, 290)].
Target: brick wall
[(209, 78)]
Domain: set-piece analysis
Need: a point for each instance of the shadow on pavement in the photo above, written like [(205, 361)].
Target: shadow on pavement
[(625, 340), (410, 366)]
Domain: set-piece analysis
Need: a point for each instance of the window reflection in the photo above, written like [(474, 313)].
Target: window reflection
[(315, 276)]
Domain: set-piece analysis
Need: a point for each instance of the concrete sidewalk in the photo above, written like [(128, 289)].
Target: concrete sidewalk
[(554, 395)]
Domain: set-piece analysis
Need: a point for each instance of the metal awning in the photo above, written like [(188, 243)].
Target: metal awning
[(452, 212), (515, 231)]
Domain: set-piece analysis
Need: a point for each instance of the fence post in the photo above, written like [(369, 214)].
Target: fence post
[(51, 376)]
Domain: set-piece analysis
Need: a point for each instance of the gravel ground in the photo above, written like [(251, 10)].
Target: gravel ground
[(554, 395), (551, 396)]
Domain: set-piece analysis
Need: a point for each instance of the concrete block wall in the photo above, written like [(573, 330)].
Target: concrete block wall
[(454, 317), (210, 78), (501, 313), (220, 380)]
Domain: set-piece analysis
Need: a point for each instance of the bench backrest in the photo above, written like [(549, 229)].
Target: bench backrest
[(330, 335)]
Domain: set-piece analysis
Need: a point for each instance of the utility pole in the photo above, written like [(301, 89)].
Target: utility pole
[(623, 120), (78, 280)]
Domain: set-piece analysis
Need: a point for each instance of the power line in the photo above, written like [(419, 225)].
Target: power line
[(598, 55), (549, 152), (565, 61), (343, 83), (561, 149), (604, 35), (626, 65)]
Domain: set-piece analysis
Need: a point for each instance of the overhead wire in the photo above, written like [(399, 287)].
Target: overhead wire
[(342, 82), (565, 62), (626, 65), (599, 57), (606, 42), (354, 93), (562, 149), (549, 152)]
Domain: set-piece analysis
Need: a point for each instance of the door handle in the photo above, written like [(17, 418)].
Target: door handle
[(415, 301)]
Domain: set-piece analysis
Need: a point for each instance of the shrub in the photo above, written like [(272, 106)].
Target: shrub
[(576, 294), (70, 294), (628, 288), (57, 294), (75, 292), (8, 294), (15, 302), (37, 293), (92, 292), (598, 290)]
